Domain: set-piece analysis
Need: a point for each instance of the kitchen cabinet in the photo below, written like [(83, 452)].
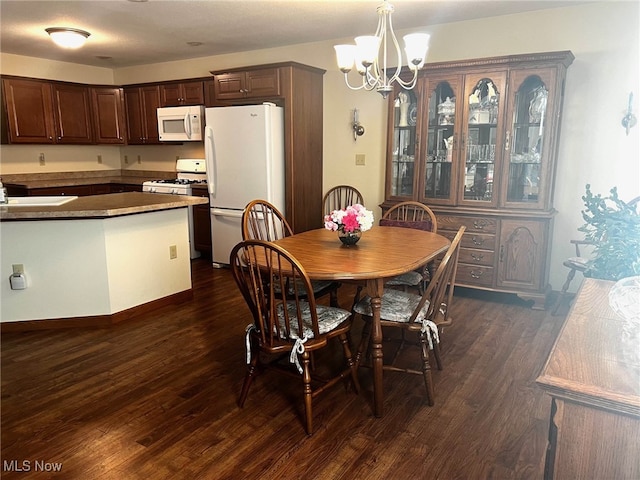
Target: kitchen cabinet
[(476, 140), (184, 93), (300, 93), (108, 114), (141, 104), (79, 190), (236, 85), (202, 223), (72, 114), (46, 112)]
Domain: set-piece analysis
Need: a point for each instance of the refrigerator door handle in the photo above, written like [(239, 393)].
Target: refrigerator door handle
[(227, 213), (211, 161)]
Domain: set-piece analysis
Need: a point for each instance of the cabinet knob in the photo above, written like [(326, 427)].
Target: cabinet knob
[(477, 241), (501, 253), (475, 274), (477, 257)]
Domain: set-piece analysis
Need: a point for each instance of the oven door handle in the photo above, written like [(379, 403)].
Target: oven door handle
[(221, 212)]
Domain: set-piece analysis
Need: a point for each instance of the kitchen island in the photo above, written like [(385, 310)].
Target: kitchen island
[(96, 260)]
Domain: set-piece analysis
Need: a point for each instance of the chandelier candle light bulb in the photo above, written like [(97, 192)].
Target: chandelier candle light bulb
[(365, 54)]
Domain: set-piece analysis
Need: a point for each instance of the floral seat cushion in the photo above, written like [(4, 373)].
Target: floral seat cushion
[(409, 278), (328, 319), (397, 306)]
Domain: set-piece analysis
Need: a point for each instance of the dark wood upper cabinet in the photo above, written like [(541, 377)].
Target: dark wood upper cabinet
[(108, 114), (72, 114), (257, 83), (29, 110), (141, 104), (177, 94)]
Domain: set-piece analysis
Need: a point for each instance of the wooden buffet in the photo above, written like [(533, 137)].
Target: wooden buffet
[(593, 377)]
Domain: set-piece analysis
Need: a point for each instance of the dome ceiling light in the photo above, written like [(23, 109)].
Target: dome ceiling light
[(67, 37)]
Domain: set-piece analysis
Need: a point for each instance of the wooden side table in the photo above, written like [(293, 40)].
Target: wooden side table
[(593, 377)]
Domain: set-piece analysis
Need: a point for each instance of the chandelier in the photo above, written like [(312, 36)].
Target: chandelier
[(370, 56)]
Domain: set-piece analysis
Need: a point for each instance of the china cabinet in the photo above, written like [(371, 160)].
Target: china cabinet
[(476, 140)]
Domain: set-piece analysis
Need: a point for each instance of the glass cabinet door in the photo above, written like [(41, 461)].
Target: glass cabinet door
[(484, 99), (525, 146), (403, 143), (441, 152)]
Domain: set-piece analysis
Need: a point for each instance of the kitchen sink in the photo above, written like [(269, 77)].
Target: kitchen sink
[(53, 201)]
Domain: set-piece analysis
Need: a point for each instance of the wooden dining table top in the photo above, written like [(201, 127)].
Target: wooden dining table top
[(382, 252)]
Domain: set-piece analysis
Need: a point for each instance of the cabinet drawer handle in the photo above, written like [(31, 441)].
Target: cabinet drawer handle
[(506, 141), (477, 257), (476, 275), (475, 240), (480, 224), (501, 252)]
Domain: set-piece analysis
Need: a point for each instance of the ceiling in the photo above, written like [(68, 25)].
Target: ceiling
[(139, 32)]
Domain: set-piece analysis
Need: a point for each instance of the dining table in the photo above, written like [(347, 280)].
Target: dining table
[(382, 253)]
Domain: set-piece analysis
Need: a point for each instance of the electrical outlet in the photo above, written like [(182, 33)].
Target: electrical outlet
[(173, 252), (126, 159), (99, 158), (18, 268), (139, 159), (359, 158), (41, 159)]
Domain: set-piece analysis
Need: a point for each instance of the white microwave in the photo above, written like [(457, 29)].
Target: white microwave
[(181, 124)]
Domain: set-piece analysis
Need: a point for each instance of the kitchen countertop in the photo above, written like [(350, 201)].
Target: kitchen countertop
[(65, 179), (102, 206)]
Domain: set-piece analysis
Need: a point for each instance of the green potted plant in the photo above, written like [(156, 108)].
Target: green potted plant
[(613, 227)]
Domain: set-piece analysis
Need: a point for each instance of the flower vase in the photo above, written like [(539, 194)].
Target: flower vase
[(349, 238)]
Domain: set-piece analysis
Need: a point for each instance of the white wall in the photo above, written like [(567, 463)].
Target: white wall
[(594, 149)]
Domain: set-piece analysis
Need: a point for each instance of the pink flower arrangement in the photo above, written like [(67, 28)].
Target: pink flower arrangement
[(350, 219)]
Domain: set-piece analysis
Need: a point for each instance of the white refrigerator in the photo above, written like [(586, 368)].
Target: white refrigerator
[(244, 151)]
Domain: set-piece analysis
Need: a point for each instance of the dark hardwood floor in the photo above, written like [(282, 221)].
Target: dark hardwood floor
[(155, 398)]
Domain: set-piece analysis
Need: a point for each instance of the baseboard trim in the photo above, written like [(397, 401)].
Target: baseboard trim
[(98, 321)]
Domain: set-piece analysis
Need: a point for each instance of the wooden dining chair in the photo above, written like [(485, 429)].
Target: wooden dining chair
[(291, 328), (339, 197), (261, 220), (425, 314), (411, 215)]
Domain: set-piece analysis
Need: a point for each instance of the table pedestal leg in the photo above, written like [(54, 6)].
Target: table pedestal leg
[(374, 289)]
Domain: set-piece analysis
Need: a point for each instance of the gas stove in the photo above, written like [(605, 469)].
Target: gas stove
[(189, 172)]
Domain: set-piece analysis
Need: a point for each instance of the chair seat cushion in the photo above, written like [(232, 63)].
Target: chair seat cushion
[(425, 225), (577, 263), (328, 319), (317, 285), (410, 278), (397, 306)]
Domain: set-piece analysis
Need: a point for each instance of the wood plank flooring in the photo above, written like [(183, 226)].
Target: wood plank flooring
[(155, 398)]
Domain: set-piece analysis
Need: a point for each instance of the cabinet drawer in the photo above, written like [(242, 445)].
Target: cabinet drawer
[(476, 257), (473, 224), (473, 240), (474, 275)]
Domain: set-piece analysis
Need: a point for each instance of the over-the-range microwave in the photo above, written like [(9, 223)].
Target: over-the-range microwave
[(181, 124)]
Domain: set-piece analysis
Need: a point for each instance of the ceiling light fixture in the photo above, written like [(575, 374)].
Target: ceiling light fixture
[(67, 37), (367, 50)]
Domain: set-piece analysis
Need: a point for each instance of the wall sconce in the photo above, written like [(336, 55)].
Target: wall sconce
[(67, 37), (629, 120), (358, 130)]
